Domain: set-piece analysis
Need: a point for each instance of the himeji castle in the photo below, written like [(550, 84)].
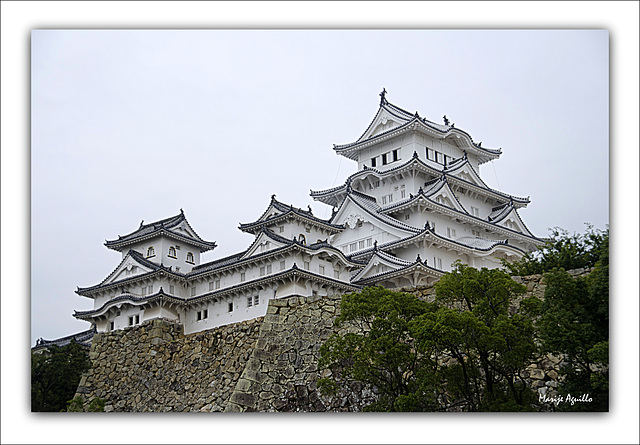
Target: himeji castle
[(415, 206)]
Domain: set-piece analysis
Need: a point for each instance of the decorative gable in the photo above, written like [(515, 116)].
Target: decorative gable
[(128, 268), (264, 242)]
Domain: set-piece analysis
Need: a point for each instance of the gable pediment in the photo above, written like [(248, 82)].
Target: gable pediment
[(128, 268), (512, 221), (444, 195), (384, 121), (263, 243)]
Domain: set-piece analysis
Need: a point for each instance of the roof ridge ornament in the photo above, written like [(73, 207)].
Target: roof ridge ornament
[(446, 121), (415, 154), (418, 259), (141, 224), (383, 100)]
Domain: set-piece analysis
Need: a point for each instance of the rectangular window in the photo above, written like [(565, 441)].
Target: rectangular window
[(396, 155), (242, 276), (217, 284), (475, 211), (282, 265), (406, 217), (384, 159), (403, 194), (262, 271), (437, 262), (369, 242), (150, 288), (230, 306), (321, 270), (256, 300), (172, 289), (210, 285), (384, 199), (361, 244), (391, 197), (281, 229), (431, 154), (451, 232), (353, 247), (249, 301), (144, 290), (269, 268), (314, 293), (193, 291), (306, 265), (475, 233), (198, 316), (373, 162), (134, 319), (111, 326), (336, 274)]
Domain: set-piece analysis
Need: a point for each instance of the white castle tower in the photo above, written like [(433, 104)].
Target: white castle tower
[(417, 203), (415, 206)]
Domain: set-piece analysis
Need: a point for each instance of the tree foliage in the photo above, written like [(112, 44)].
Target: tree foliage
[(575, 324), (466, 351), (55, 375), (563, 251)]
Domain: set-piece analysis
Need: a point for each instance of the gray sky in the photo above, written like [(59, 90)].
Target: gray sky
[(126, 127), (133, 125)]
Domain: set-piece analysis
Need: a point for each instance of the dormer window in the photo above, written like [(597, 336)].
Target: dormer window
[(151, 252), (172, 252), (190, 258)]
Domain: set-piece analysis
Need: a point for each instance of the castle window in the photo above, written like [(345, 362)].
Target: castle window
[(172, 252), (151, 252), (361, 244), (396, 154), (437, 262), (282, 266), (336, 274), (210, 285), (111, 326), (249, 301), (256, 300), (217, 284), (451, 232), (403, 194), (172, 289), (321, 270), (373, 162), (306, 265), (281, 229), (189, 257), (353, 247), (193, 291), (262, 271), (314, 293), (134, 319), (407, 216), (268, 268), (242, 276), (202, 315), (150, 288), (475, 211), (384, 158), (431, 154), (230, 306), (369, 242), (475, 233)]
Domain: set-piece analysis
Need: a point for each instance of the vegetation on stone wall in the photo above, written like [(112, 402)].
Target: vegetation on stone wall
[(465, 351), (55, 375), (473, 347)]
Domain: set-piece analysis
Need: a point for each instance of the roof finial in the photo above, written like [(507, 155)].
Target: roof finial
[(446, 121), (418, 259), (309, 207), (273, 197), (141, 224), (480, 144), (383, 100), (181, 211)]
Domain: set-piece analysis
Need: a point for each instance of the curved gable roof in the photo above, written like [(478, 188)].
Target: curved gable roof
[(176, 227)]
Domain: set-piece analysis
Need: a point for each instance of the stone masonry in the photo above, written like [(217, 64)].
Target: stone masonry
[(266, 364)]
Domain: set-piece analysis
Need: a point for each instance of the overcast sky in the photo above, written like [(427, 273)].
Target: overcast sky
[(135, 125), (108, 128)]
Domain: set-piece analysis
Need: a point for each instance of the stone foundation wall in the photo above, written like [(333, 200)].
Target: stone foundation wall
[(155, 367), (266, 364)]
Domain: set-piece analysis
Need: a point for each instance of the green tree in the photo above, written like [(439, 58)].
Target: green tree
[(55, 375), (562, 251), (465, 351), (575, 324)]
